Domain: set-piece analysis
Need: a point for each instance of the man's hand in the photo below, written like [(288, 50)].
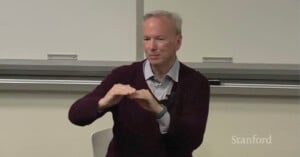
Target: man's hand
[(145, 99), (115, 95)]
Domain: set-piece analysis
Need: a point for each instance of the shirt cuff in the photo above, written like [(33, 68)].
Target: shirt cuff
[(164, 123)]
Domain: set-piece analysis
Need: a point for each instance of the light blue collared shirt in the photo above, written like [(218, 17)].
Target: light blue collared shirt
[(161, 89)]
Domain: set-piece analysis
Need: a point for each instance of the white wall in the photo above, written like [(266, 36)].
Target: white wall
[(247, 116), (250, 31), (36, 124), (94, 30)]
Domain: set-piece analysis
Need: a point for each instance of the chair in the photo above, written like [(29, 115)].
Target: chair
[(100, 142)]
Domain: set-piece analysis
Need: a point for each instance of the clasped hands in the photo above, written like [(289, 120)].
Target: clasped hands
[(143, 97)]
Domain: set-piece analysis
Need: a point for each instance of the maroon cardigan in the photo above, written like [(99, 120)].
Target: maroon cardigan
[(136, 131)]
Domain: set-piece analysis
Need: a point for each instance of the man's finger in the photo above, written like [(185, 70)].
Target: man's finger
[(139, 94), (121, 89)]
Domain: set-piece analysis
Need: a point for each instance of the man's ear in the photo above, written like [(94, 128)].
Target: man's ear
[(179, 41)]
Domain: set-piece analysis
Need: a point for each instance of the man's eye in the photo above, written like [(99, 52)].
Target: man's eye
[(146, 39)]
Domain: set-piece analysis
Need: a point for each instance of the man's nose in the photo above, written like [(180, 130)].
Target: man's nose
[(153, 45)]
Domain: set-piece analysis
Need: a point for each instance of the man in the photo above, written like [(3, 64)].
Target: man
[(159, 105)]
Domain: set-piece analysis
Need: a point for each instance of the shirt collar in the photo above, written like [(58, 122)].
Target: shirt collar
[(173, 73)]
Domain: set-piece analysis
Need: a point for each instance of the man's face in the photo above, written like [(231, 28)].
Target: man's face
[(160, 40)]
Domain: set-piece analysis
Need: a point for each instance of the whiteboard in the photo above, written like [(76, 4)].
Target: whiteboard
[(248, 31), (91, 29)]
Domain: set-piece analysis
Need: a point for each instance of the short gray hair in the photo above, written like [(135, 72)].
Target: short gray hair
[(174, 17)]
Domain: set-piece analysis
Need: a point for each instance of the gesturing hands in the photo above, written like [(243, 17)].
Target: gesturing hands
[(115, 95), (143, 97)]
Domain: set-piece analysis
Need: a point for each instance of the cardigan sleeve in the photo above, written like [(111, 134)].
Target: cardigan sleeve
[(188, 122), (85, 110)]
